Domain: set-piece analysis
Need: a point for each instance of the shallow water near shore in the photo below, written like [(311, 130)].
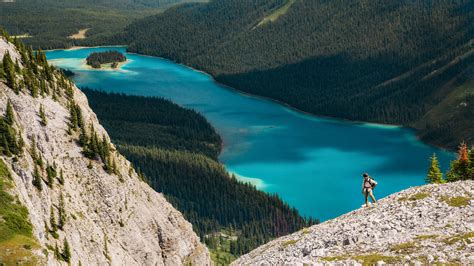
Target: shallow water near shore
[(314, 164)]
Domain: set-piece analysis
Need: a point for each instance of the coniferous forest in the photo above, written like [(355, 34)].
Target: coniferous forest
[(396, 62), (95, 60), (176, 150), (48, 24), (399, 62)]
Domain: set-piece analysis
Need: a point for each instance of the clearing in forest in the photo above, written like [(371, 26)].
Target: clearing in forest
[(79, 35), (277, 13)]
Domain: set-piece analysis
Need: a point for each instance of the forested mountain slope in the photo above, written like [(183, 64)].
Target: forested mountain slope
[(67, 196), (382, 61), (51, 24), (177, 151)]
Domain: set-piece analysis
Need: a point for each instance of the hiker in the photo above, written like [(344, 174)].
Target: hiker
[(367, 187)]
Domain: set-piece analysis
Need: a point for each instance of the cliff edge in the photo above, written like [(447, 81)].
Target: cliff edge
[(85, 203), (420, 225)]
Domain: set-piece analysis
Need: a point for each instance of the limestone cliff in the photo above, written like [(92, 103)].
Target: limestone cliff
[(421, 225), (106, 215)]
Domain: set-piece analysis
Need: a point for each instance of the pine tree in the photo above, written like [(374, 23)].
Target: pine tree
[(51, 173), (9, 116), (33, 153), (62, 213), (5, 146), (114, 166), (17, 67), (459, 169), (40, 162), (33, 87), (43, 88), (434, 174), (471, 164), (67, 252), (52, 221), (9, 69), (463, 152), (61, 177), (57, 254), (42, 116), (37, 179)]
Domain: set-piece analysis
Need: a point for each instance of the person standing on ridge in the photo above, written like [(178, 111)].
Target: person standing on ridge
[(368, 186)]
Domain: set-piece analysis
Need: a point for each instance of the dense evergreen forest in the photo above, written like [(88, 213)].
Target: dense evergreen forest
[(95, 60), (177, 151), (47, 24), (380, 61)]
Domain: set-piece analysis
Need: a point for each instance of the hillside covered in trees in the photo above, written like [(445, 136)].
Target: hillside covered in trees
[(399, 62), (48, 24), (176, 150)]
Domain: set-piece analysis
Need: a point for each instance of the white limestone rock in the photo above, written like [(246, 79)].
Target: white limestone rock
[(414, 226), (111, 218)]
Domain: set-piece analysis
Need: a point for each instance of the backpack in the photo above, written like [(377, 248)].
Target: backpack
[(373, 182)]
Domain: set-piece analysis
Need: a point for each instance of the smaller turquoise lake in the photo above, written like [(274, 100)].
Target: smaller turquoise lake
[(314, 164)]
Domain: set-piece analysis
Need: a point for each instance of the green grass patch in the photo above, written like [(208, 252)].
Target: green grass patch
[(372, 259), (18, 251), (404, 248), (414, 197), (419, 196), (220, 246), (14, 218), (464, 237), (334, 258), (16, 238), (220, 257), (306, 231), (456, 201), (289, 243)]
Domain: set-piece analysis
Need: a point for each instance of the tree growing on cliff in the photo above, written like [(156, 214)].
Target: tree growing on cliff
[(52, 221), (66, 252), (42, 115), (51, 174), (37, 179), (62, 213), (434, 175), (9, 70), (9, 116)]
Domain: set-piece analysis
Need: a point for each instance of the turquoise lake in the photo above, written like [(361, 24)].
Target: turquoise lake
[(314, 164)]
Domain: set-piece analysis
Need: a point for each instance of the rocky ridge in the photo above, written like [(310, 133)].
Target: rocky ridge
[(110, 218), (420, 225)]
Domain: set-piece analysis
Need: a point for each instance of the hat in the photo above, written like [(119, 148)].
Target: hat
[(365, 175)]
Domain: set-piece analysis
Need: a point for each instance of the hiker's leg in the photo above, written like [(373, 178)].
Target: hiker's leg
[(372, 196), (366, 196)]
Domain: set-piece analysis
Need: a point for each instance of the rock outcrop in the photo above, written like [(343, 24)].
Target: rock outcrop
[(420, 225), (109, 217)]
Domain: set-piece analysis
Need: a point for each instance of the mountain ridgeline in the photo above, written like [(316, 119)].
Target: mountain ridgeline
[(398, 62), (176, 150)]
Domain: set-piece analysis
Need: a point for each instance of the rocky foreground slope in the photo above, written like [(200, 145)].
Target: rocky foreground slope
[(427, 224), (79, 212)]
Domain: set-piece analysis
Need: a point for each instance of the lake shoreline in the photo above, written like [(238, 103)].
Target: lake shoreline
[(284, 104), (272, 145)]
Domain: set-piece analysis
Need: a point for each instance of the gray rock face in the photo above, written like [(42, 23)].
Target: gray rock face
[(110, 218), (420, 225)]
